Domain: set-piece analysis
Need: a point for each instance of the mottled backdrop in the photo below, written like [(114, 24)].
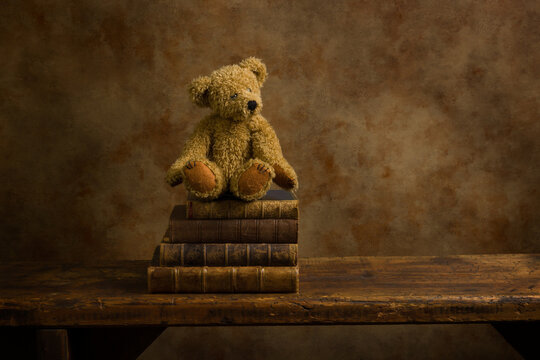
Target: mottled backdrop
[(413, 127)]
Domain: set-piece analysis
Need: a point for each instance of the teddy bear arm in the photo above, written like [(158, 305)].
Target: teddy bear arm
[(267, 148), (265, 143), (195, 149)]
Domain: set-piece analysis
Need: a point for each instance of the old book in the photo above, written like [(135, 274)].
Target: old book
[(182, 230), (231, 279), (276, 204), (228, 254)]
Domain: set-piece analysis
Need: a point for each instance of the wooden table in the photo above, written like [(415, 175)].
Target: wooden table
[(73, 300)]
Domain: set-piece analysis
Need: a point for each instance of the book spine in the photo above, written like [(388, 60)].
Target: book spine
[(247, 279), (270, 231), (232, 209), (187, 254)]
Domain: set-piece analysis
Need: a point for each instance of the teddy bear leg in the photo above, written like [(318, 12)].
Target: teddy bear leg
[(204, 179), (252, 180)]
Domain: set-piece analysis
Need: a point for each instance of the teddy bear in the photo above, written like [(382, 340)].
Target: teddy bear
[(234, 149)]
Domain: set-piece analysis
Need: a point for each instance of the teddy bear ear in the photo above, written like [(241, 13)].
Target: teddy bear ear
[(256, 66), (198, 91)]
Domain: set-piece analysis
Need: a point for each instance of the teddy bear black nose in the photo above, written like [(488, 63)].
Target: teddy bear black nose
[(252, 105)]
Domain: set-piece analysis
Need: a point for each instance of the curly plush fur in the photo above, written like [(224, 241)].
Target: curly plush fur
[(234, 149)]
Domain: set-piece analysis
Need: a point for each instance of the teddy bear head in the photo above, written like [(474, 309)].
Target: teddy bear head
[(233, 91)]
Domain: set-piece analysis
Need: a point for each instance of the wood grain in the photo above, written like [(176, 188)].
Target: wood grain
[(354, 290)]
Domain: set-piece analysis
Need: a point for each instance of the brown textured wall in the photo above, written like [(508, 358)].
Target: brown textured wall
[(413, 125)]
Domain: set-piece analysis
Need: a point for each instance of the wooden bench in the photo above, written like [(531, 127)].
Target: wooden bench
[(80, 310)]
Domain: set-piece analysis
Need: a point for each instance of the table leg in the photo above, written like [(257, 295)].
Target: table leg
[(523, 336), (52, 344), (111, 343)]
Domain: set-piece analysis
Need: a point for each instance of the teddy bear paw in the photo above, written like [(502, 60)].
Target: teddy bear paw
[(199, 177), (254, 179), (174, 178), (282, 179)]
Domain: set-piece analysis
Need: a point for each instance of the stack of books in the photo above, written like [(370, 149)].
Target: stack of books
[(229, 246)]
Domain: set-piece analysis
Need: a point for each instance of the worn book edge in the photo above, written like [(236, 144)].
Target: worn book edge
[(277, 204), (182, 230), (247, 279), (190, 254)]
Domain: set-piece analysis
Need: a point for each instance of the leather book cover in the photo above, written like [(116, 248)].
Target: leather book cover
[(182, 230), (276, 204), (231, 279), (186, 254)]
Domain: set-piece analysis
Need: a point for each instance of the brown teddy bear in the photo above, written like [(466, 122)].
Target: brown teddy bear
[(234, 149)]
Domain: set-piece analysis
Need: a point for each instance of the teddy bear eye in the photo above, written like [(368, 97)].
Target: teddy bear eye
[(249, 89), (234, 96)]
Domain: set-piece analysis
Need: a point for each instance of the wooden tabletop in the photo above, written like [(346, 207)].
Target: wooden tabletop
[(351, 290)]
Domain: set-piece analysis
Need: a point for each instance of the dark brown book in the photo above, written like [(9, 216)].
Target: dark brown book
[(271, 231), (228, 254), (276, 204), (231, 279)]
